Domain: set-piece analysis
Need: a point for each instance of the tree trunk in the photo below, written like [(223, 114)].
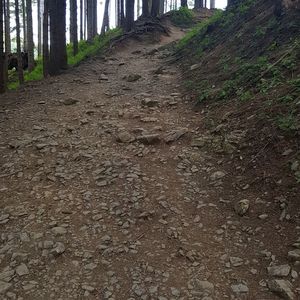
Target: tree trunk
[(95, 20), (85, 20), (212, 4), (81, 20), (129, 15), (45, 39), (155, 8), (24, 26), (2, 58), (184, 3), (30, 36), (161, 7), (6, 8), (145, 8), (105, 23), (122, 13), (58, 53), (91, 19), (73, 26), (20, 63), (39, 28), (199, 4)]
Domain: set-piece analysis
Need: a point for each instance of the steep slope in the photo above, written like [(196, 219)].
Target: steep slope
[(242, 69)]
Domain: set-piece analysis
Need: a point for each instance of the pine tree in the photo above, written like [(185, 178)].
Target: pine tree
[(129, 15), (39, 19), (145, 8), (24, 26), (2, 75), (45, 39), (20, 61), (81, 20), (105, 23), (30, 44), (73, 26)]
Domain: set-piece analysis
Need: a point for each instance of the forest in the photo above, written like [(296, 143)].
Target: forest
[(150, 150)]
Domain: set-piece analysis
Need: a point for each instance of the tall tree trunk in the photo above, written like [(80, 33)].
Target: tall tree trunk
[(161, 7), (95, 18), (198, 4), (73, 26), (85, 20), (129, 15), (155, 8), (6, 8), (212, 4), (20, 62), (46, 38), (145, 8), (184, 3), (58, 53), (2, 58), (122, 13), (105, 23), (90, 22), (25, 45), (81, 20), (39, 28), (30, 36)]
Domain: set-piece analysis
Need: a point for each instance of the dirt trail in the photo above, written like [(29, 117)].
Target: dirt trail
[(84, 216)]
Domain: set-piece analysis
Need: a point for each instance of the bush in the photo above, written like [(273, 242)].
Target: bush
[(182, 17)]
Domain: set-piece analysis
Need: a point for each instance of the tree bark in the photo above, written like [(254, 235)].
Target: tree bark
[(2, 58), (24, 26), (6, 9), (105, 23), (58, 53), (145, 8), (20, 62), (45, 39), (81, 20), (30, 36), (161, 7), (73, 26), (155, 8), (212, 4), (184, 3), (122, 13), (39, 27), (91, 19), (129, 15)]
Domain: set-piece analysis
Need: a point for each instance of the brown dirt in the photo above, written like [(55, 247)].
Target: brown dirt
[(189, 229)]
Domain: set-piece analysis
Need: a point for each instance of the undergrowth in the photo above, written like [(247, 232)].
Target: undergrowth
[(85, 50), (183, 17)]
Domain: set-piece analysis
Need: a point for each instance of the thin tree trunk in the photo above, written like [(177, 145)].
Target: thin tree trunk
[(20, 62), (90, 30), (6, 8), (145, 8), (81, 20), (25, 45), (161, 7), (73, 26), (212, 4), (105, 23), (122, 13), (85, 20), (2, 58), (30, 36), (45, 39), (129, 14), (95, 19), (39, 28)]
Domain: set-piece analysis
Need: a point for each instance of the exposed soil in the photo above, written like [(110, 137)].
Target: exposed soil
[(88, 211)]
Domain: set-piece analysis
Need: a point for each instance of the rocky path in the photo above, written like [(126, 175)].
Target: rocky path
[(106, 193)]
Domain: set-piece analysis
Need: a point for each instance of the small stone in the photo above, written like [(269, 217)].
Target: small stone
[(4, 286), (22, 270), (59, 249), (239, 288), (279, 271), (149, 102), (242, 207), (133, 77), (103, 77), (263, 216), (281, 287), (236, 261), (59, 230), (125, 137), (217, 175), (70, 101), (175, 292)]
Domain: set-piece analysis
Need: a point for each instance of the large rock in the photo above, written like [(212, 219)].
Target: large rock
[(279, 271), (175, 135), (294, 255), (149, 139), (242, 206), (125, 137), (283, 288)]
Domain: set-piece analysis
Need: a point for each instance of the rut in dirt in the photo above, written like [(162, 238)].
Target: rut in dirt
[(105, 194)]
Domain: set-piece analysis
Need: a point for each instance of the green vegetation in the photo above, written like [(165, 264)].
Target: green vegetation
[(86, 49), (182, 17)]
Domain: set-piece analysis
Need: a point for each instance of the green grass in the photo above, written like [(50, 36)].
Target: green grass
[(85, 50), (182, 17)]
